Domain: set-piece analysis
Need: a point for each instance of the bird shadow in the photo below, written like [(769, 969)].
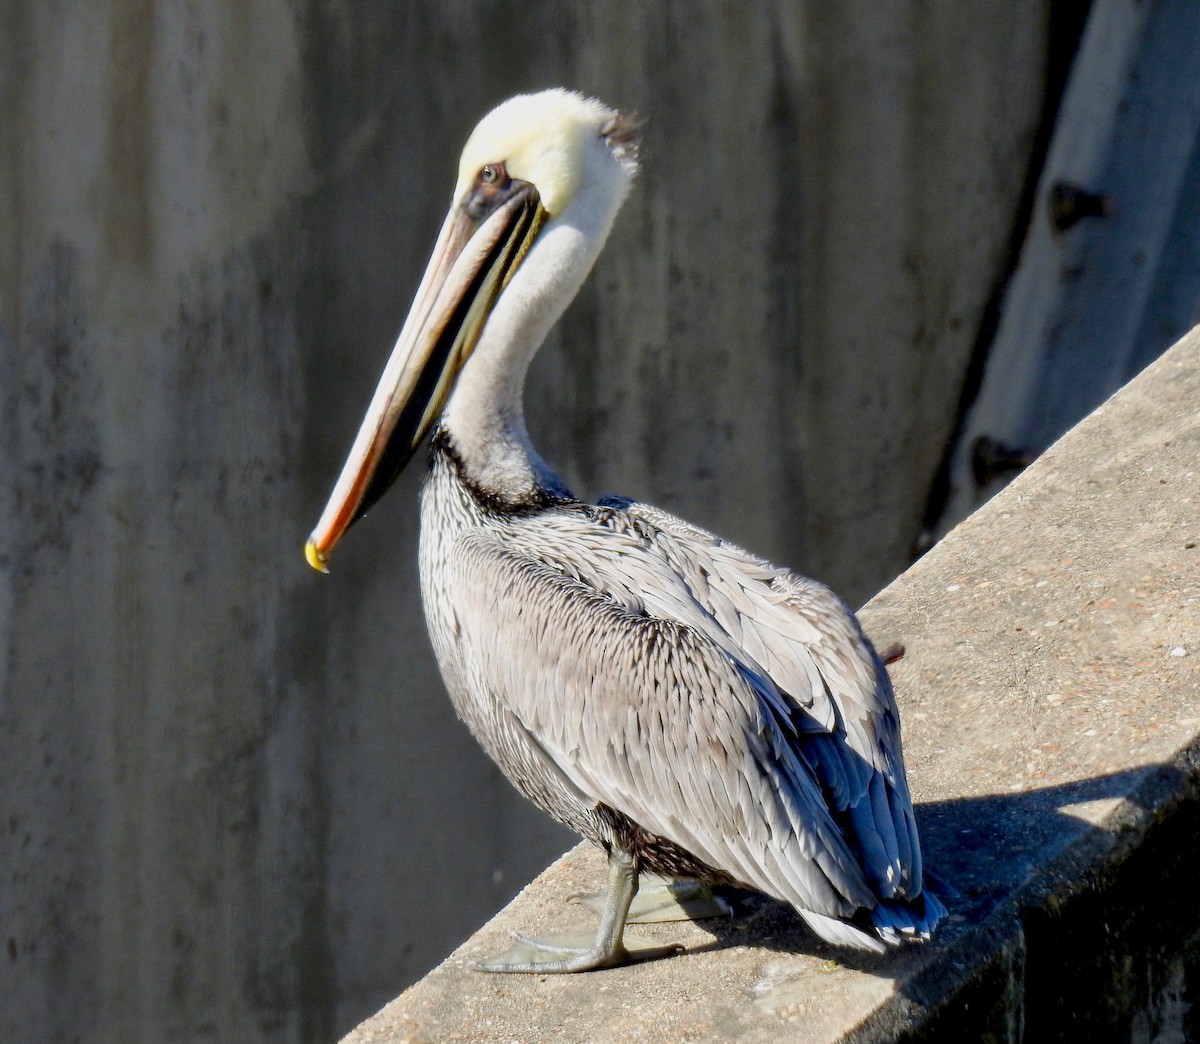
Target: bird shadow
[(979, 852)]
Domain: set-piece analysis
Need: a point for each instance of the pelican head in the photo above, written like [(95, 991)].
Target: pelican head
[(540, 180)]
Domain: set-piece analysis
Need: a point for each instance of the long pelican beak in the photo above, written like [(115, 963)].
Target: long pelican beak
[(473, 260)]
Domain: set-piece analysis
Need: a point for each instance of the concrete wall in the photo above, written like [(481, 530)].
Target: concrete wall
[(1093, 298), (1049, 701), (236, 805)]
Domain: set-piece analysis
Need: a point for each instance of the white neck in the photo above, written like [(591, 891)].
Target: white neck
[(485, 416)]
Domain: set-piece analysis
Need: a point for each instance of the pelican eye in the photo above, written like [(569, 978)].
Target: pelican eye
[(492, 187), (493, 174)]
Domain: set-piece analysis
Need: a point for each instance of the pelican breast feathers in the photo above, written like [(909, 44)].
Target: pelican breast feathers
[(725, 704)]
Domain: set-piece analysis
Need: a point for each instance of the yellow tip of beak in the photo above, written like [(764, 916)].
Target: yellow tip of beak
[(315, 558)]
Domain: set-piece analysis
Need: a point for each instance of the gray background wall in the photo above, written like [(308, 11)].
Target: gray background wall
[(236, 805)]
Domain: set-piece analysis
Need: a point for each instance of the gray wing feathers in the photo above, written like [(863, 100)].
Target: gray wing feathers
[(638, 649), (815, 650)]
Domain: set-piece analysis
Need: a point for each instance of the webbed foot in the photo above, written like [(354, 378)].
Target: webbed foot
[(574, 953), (568, 952)]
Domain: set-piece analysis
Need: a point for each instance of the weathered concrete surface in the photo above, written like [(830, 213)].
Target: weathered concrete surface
[(1050, 697), (227, 813), (1089, 305)]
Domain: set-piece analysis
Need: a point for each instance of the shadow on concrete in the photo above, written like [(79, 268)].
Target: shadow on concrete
[(980, 850), (1060, 929)]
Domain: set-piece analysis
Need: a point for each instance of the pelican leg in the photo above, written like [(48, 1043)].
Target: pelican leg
[(607, 949)]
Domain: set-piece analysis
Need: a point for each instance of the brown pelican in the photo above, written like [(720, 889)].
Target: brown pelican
[(688, 707)]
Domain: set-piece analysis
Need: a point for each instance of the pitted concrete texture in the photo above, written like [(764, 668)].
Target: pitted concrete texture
[(1050, 697)]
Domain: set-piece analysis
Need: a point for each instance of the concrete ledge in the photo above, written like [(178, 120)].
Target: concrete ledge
[(1051, 708)]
